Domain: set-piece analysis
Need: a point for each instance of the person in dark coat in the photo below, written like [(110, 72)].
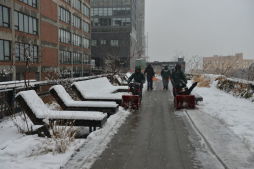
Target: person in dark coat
[(149, 75), (137, 76), (178, 78), (179, 82), (165, 74)]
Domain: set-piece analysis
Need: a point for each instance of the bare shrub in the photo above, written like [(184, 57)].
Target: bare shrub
[(61, 136)]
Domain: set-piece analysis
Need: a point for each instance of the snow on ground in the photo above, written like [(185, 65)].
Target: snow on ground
[(19, 151), (227, 124)]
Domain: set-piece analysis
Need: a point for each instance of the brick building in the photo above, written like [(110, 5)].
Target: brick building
[(226, 64), (52, 36)]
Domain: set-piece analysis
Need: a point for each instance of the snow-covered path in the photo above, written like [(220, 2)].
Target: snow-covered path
[(227, 124)]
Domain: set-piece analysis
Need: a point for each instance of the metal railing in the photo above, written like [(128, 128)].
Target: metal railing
[(9, 90)]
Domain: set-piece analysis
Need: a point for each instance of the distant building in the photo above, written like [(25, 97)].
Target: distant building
[(225, 64), (53, 35), (117, 32)]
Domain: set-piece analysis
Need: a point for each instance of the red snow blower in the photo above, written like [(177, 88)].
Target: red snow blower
[(183, 97), (133, 101)]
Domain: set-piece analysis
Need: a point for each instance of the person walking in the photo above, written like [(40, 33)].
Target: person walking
[(165, 74), (149, 75)]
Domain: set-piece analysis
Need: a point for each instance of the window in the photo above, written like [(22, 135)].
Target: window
[(85, 10), (94, 43), (65, 36), (86, 59), (4, 16), (76, 4), (25, 23), (5, 50), (76, 21), (76, 40), (64, 15), (85, 27), (26, 51), (114, 42), (77, 58), (65, 57), (103, 42), (32, 3), (85, 43)]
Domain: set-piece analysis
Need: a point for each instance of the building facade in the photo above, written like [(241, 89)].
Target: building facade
[(226, 65), (115, 32), (41, 39)]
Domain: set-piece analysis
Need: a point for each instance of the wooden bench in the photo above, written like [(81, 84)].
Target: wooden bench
[(99, 89), (37, 111), (67, 103)]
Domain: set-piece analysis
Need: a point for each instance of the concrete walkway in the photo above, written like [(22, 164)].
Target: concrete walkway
[(152, 138)]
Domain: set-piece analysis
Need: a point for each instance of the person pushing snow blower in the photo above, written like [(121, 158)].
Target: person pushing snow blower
[(179, 82)]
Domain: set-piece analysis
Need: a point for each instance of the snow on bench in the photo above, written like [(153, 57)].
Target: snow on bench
[(38, 111), (67, 103), (120, 81), (99, 89)]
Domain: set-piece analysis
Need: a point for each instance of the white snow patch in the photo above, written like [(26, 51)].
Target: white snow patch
[(18, 151)]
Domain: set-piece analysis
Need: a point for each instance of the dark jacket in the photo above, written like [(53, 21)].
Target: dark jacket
[(179, 79), (165, 74), (149, 72), (138, 77)]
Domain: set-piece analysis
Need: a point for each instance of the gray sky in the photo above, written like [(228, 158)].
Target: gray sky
[(199, 27)]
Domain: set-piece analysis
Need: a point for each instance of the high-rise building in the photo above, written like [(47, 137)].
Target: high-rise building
[(116, 33), (42, 38)]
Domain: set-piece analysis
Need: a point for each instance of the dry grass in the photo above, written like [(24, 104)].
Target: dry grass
[(202, 81)]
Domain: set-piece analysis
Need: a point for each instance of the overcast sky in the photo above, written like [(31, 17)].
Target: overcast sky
[(199, 27)]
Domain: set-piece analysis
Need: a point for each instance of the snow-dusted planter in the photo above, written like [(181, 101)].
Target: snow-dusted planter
[(237, 87)]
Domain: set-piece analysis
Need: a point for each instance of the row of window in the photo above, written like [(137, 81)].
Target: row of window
[(26, 51), (23, 51), (111, 22), (110, 11), (67, 57), (114, 43), (26, 23), (4, 16), (32, 3), (65, 16), (79, 6), (76, 40)]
